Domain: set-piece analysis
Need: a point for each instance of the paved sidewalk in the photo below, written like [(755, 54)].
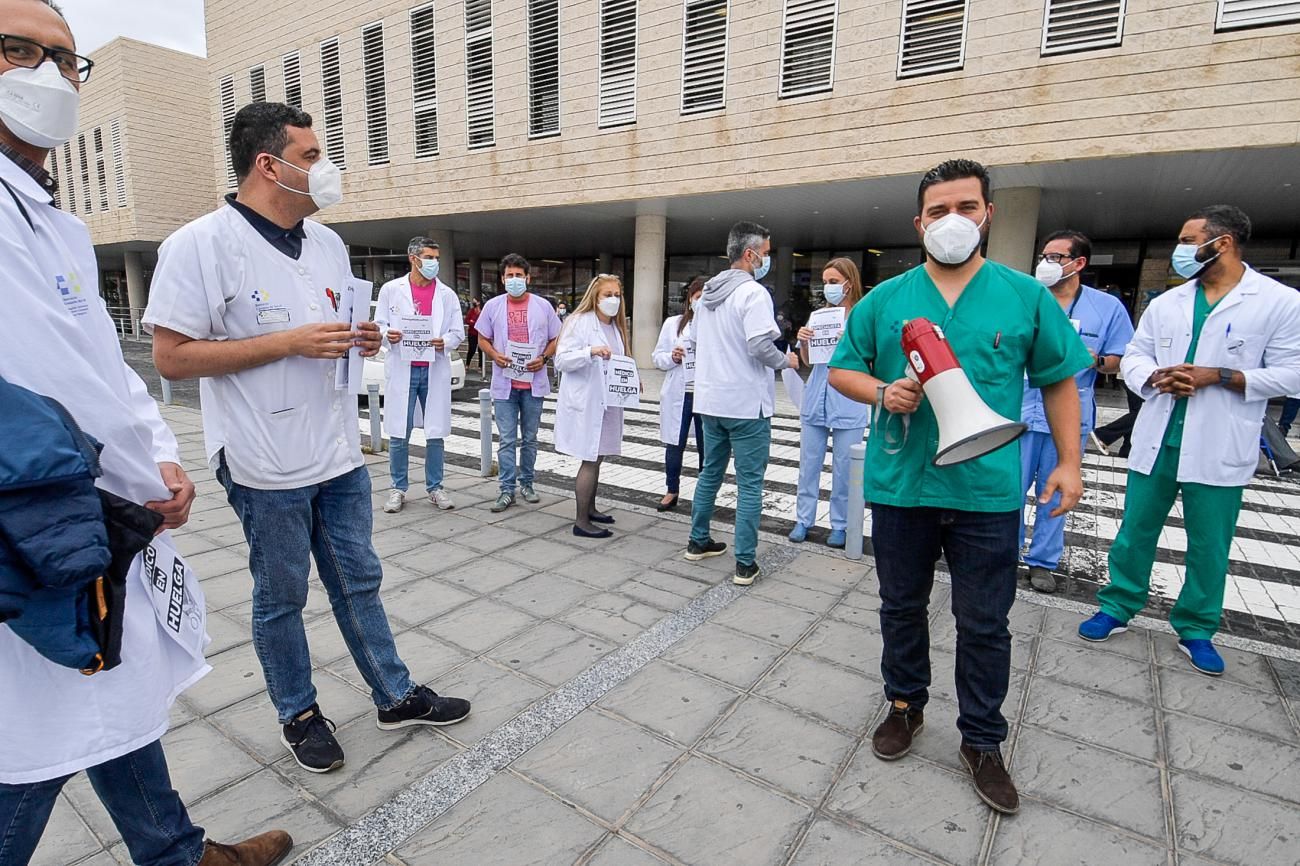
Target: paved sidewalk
[(634, 709)]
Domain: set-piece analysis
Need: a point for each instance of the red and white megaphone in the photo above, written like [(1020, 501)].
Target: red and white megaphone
[(968, 428)]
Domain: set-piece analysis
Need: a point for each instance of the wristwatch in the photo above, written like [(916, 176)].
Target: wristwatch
[(1225, 376)]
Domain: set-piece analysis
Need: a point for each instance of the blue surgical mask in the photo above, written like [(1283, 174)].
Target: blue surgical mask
[(763, 268), (429, 268), (516, 286), (1185, 262), (833, 293)]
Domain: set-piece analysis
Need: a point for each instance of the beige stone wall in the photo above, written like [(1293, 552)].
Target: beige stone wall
[(159, 99), (1174, 85)]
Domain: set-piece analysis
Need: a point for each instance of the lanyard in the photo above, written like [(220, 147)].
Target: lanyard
[(1079, 294)]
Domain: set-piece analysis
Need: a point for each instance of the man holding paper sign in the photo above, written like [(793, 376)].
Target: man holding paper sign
[(421, 316)]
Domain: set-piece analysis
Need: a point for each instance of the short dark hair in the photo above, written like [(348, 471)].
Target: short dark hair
[(514, 260), (260, 128), (745, 236), (953, 169), (1225, 219), (1080, 245)]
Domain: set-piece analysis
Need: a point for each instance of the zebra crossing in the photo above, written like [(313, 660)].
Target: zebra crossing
[(1262, 595)]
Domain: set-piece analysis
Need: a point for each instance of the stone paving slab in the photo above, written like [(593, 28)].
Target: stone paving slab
[(633, 709)]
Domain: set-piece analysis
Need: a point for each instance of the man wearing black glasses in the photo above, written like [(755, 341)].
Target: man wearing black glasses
[(56, 721)]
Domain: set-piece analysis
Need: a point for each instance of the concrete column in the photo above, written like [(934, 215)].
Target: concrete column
[(373, 273), (476, 278), (1014, 233), (783, 281), (648, 285), (446, 242), (604, 262), (137, 292)]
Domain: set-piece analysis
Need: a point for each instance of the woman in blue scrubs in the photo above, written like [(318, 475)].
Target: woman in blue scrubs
[(826, 414)]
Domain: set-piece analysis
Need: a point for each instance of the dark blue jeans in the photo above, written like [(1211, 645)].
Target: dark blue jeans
[(331, 522), (673, 453), (981, 552), (1290, 409), (137, 791)]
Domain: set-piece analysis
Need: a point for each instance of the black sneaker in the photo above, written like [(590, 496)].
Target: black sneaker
[(423, 707), (310, 739), (696, 552), (745, 574)]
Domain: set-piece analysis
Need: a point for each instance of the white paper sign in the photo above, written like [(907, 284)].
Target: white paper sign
[(827, 324), (793, 387), (688, 361), (177, 598), (417, 338), (353, 307), (622, 383), (520, 355)]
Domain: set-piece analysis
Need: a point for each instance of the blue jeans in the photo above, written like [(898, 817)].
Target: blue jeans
[(980, 548), (1037, 461), (1290, 409), (285, 528), (673, 453), (751, 439), (518, 417), (399, 449), (812, 451), (137, 791)]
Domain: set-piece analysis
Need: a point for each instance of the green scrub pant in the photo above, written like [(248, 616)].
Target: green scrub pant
[(1209, 518)]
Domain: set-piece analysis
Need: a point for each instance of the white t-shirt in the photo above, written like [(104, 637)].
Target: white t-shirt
[(729, 382), (283, 425)]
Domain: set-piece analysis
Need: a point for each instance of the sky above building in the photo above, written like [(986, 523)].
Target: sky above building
[(173, 24)]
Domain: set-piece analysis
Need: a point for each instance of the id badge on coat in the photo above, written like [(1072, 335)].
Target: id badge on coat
[(178, 602)]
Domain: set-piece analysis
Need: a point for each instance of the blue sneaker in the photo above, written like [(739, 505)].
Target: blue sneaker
[(799, 533), (1100, 627), (836, 538), (1205, 658)]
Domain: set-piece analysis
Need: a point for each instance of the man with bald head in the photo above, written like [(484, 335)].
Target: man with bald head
[(58, 721)]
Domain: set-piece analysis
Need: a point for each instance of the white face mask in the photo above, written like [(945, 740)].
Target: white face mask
[(324, 181), (610, 306), (516, 286), (1049, 273), (833, 293), (39, 105), (953, 239), (429, 269), (695, 305)]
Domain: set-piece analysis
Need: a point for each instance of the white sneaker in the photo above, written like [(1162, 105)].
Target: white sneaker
[(396, 500), (440, 498)]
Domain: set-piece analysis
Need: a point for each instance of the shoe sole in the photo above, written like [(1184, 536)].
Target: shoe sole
[(1044, 588), (388, 509), (410, 723), (316, 770), (448, 507), (903, 754), (746, 581), (708, 554), (1117, 630), (996, 807), (1200, 670), (495, 510)]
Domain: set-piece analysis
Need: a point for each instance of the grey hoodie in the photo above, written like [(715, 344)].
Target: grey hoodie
[(721, 287)]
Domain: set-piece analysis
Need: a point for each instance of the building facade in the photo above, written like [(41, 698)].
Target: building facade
[(141, 164), (626, 135)]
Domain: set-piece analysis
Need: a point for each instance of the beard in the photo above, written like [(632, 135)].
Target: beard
[(984, 239)]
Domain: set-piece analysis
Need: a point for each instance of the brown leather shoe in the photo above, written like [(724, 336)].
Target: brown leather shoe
[(264, 850), (992, 782), (893, 739)]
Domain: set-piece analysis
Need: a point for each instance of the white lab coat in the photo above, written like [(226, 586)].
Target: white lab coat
[(54, 720), (672, 394), (1255, 328), (394, 302), (581, 406)]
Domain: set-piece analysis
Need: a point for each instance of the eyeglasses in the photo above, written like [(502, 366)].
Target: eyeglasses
[(21, 51), (1055, 258)]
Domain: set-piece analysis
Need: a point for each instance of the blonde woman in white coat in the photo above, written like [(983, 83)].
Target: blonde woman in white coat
[(674, 351), (584, 428)]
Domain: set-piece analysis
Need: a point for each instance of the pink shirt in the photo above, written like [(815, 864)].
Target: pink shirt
[(517, 329), (422, 296)]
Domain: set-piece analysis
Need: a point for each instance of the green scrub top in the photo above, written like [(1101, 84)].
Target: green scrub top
[(1201, 310), (1005, 325)]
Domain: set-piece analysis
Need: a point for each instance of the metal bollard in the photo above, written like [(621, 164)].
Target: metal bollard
[(857, 501), (167, 391), (376, 425), (485, 432)]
